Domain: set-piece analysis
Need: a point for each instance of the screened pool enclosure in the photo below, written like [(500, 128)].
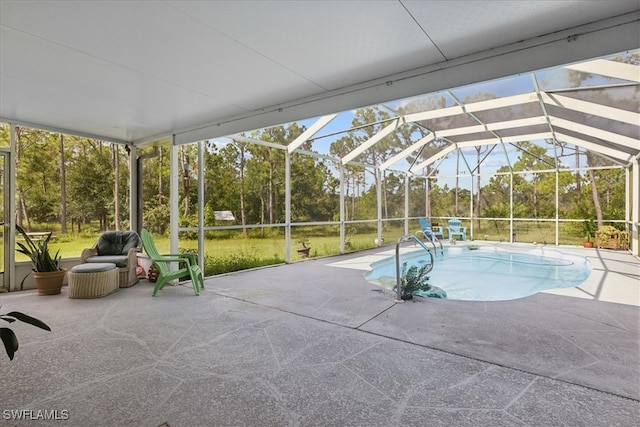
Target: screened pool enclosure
[(529, 158)]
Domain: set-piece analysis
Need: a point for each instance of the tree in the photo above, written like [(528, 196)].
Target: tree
[(236, 152), (353, 174), (155, 195), (221, 183), (91, 183), (266, 168), (367, 122), (415, 131), (308, 189), (38, 186)]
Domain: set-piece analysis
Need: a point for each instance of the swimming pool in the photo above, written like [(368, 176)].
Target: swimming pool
[(490, 273)]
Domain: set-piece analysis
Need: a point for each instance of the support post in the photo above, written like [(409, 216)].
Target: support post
[(633, 194), (380, 238), (287, 207), (557, 202), (174, 198), (406, 203), (511, 207), (342, 209), (201, 148), (133, 189)]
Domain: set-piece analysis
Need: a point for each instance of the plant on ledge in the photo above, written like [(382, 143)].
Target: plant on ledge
[(38, 252), (610, 237), (47, 268), (9, 338), (304, 250)]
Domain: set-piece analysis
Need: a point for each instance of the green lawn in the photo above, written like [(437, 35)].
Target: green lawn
[(230, 251)]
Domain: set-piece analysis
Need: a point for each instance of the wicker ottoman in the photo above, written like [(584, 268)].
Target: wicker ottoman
[(93, 280)]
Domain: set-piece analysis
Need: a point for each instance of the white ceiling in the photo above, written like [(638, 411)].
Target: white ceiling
[(132, 71)]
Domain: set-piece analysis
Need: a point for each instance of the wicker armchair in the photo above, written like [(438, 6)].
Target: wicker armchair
[(119, 248)]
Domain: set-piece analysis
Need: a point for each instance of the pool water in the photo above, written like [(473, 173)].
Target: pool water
[(490, 273)]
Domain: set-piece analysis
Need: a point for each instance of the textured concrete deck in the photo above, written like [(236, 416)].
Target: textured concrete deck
[(313, 343)]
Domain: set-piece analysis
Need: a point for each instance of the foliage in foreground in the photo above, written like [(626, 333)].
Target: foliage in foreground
[(9, 338)]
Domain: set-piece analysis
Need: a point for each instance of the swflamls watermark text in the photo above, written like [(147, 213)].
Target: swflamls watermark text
[(39, 414)]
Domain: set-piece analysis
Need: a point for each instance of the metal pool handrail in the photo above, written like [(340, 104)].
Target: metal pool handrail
[(406, 238), (434, 246), (430, 239)]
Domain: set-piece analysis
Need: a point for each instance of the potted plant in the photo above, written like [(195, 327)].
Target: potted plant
[(589, 229), (46, 269), (304, 250)]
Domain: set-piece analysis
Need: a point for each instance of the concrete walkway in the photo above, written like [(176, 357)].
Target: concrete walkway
[(313, 343)]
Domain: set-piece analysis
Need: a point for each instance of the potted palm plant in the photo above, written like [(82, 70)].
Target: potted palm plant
[(46, 269)]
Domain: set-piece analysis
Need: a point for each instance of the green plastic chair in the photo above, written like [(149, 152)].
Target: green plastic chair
[(161, 261)]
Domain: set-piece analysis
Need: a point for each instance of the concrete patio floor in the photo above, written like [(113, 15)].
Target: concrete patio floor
[(313, 343)]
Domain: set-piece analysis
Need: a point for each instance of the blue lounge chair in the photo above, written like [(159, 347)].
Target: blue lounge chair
[(455, 229), (428, 231)]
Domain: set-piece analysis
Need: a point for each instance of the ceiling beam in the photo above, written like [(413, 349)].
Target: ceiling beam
[(586, 107), (603, 67), (622, 140), (370, 142), (478, 142), (313, 129), (439, 155), (472, 107), (407, 151), (249, 140), (591, 146)]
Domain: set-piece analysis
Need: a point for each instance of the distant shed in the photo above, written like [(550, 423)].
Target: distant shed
[(224, 216)]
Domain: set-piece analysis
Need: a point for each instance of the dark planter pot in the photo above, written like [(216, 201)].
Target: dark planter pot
[(49, 282), (587, 244)]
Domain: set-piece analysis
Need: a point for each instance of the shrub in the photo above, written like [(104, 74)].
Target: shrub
[(236, 261)]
